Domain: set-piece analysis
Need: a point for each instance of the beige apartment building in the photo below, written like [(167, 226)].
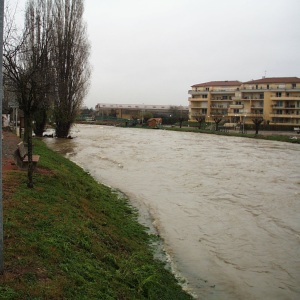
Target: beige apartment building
[(276, 99)]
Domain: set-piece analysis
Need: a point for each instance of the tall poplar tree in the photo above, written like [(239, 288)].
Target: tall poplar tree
[(69, 55), (48, 65)]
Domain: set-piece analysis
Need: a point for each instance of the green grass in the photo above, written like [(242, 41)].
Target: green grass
[(72, 238)]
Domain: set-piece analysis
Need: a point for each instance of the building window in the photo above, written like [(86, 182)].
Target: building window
[(236, 111), (256, 86), (267, 86), (279, 111), (204, 96), (207, 89), (261, 96), (224, 97), (293, 85), (278, 94)]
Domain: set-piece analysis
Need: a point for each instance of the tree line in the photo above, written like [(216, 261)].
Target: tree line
[(45, 65)]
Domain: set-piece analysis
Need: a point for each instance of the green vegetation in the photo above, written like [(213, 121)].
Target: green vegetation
[(72, 238)]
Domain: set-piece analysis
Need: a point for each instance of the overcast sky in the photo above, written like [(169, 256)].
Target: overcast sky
[(152, 51)]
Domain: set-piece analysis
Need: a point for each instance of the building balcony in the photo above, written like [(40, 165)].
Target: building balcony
[(219, 106), (236, 106), (194, 93), (254, 90), (290, 107), (235, 98), (197, 107), (252, 99), (291, 90), (220, 92), (197, 99), (285, 98), (221, 100), (288, 116), (257, 107)]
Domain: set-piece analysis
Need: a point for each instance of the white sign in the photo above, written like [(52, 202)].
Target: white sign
[(13, 104)]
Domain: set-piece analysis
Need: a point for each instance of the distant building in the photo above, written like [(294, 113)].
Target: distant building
[(128, 111), (276, 99)]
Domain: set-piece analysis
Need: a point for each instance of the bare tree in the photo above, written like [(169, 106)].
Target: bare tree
[(69, 57), (217, 119), (23, 66), (200, 119), (257, 120), (41, 11)]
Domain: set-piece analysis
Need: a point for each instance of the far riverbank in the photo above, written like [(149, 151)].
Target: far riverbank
[(280, 136)]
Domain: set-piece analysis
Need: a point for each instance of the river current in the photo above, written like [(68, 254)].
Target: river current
[(227, 208)]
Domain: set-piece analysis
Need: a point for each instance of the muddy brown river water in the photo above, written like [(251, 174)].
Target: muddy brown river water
[(227, 208)]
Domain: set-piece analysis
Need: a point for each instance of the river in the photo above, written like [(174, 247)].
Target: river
[(227, 208)]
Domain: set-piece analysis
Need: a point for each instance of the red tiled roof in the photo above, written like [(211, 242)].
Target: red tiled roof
[(276, 80), (218, 83)]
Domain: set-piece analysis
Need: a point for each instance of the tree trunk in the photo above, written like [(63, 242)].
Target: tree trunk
[(40, 122), (256, 128), (28, 131), (180, 122), (62, 129)]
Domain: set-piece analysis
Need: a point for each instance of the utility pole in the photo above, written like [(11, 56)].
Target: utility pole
[(1, 98)]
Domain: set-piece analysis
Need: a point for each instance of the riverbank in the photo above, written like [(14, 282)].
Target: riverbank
[(72, 238), (280, 136)]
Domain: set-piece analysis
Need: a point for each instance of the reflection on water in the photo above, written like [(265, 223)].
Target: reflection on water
[(227, 208)]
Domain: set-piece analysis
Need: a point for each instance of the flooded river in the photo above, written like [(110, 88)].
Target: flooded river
[(227, 208)]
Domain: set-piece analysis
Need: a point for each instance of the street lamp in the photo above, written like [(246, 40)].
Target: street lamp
[(143, 112), (1, 96)]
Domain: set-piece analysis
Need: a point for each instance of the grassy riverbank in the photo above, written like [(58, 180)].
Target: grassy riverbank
[(72, 238), (272, 136)]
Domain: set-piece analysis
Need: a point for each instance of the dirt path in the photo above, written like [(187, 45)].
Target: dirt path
[(9, 145)]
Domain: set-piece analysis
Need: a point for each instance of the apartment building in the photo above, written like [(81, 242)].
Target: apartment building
[(276, 99), (212, 98)]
